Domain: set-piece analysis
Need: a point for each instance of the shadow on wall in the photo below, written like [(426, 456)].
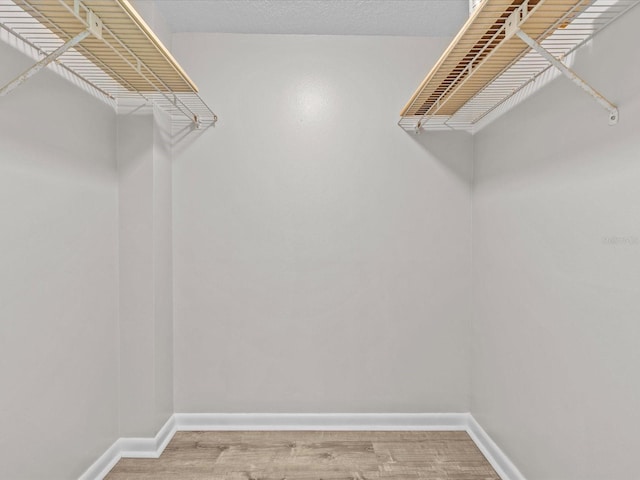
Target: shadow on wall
[(454, 150), (564, 126), (184, 136), (55, 123), (136, 115), (552, 141), (135, 137)]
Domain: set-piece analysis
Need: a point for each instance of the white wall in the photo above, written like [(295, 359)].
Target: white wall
[(146, 280), (86, 330), (163, 266), (322, 254), (557, 301), (149, 11), (58, 277), (146, 317)]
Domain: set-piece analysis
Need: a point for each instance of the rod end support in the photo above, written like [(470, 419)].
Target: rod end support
[(614, 117)]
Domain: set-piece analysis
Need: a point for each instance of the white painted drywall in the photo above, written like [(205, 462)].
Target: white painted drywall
[(137, 322), (146, 329), (163, 265), (316, 17), (321, 254), (556, 332), (150, 12), (58, 277)]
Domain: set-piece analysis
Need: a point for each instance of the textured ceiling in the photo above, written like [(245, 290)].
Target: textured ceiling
[(317, 17)]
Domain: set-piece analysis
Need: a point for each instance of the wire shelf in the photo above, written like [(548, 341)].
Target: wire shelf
[(528, 71), (121, 62)]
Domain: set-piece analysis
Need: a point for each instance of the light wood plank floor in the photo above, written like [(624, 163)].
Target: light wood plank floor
[(312, 455)]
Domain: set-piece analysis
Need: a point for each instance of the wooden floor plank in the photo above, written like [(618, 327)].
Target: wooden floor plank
[(312, 456)]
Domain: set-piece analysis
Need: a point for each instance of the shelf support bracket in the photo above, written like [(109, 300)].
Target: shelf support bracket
[(20, 79), (610, 107)]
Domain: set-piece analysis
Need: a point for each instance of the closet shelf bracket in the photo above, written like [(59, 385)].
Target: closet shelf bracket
[(30, 72), (543, 52)]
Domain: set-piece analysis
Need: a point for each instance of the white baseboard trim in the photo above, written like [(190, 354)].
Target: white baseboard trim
[(148, 447), (104, 464), (503, 466), (131, 448), (153, 447)]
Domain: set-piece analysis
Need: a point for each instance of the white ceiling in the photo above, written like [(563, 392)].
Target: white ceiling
[(318, 17)]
